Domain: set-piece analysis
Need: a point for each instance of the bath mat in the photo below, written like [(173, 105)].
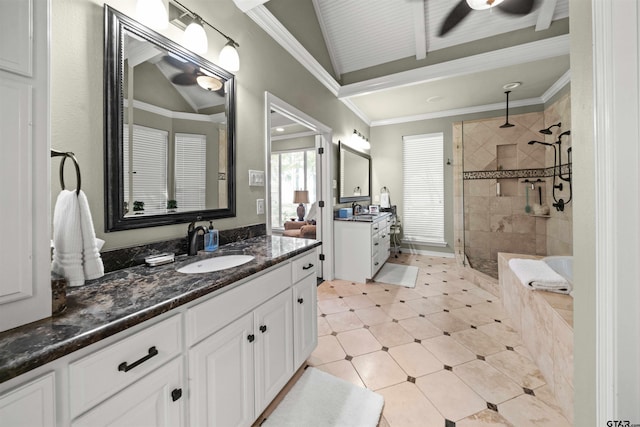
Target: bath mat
[(319, 399), (396, 274)]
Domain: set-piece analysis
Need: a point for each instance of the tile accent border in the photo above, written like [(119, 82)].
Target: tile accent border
[(517, 173)]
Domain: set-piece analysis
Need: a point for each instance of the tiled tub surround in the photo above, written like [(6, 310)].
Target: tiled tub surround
[(128, 297), (545, 322), (443, 354)]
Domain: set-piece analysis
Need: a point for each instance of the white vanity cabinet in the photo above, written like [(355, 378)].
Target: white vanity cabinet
[(239, 364), (30, 405), (305, 309), (218, 361), (156, 400), (361, 247)]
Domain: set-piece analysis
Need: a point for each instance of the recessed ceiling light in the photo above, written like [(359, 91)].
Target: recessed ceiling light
[(435, 98), (511, 85), (279, 129)]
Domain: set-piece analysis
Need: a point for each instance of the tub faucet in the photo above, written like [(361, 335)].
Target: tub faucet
[(192, 237)]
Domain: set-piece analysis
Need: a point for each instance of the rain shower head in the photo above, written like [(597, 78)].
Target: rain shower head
[(547, 131), (565, 133)]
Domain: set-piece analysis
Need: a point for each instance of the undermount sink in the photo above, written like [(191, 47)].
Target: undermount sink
[(215, 264)]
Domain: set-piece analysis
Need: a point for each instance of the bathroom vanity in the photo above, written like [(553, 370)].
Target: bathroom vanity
[(152, 346), (362, 246)]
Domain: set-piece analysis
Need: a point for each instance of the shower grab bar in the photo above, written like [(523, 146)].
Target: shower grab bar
[(65, 156)]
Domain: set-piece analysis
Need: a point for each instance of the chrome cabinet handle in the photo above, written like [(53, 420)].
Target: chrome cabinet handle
[(125, 367)]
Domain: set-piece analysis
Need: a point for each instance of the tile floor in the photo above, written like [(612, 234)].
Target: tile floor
[(442, 354)]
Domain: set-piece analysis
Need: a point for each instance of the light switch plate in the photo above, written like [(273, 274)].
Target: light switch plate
[(260, 206), (256, 178)]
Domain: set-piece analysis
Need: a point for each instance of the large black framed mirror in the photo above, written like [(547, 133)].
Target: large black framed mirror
[(169, 130), (355, 175)]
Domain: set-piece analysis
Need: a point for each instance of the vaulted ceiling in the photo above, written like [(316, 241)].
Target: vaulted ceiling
[(386, 60)]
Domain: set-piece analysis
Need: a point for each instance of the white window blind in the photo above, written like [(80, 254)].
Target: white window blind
[(190, 170), (423, 183), (145, 169)]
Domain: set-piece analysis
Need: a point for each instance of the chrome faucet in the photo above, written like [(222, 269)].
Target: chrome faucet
[(192, 237), (355, 208)]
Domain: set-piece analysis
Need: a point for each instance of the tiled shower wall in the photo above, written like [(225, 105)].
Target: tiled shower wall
[(487, 222)]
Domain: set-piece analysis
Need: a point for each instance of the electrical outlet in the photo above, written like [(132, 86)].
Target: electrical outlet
[(260, 206)]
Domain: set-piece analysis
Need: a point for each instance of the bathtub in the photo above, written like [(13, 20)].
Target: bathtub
[(561, 264)]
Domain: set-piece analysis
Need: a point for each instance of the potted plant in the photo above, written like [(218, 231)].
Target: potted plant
[(172, 205), (138, 206)]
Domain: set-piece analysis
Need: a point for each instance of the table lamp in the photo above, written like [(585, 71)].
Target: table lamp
[(300, 196)]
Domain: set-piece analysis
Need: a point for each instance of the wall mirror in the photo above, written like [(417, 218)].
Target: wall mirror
[(169, 130), (355, 175)]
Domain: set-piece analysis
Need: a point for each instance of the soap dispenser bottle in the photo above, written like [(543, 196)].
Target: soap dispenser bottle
[(211, 239)]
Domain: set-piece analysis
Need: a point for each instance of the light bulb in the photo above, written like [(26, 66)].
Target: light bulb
[(483, 4), (195, 38), (228, 58), (153, 14)]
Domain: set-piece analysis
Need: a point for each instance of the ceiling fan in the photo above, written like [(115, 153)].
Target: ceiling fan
[(191, 74), (462, 9)]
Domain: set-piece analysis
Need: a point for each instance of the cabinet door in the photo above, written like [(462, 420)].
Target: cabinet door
[(221, 377), (274, 348), (31, 405), (155, 400), (305, 321)]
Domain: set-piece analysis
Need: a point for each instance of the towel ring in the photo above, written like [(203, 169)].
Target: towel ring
[(56, 153)]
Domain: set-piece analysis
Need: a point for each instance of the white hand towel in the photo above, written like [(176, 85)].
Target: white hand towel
[(385, 201), (67, 239), (76, 252), (537, 274), (92, 262)]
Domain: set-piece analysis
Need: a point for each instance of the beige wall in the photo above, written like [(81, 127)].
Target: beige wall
[(77, 102)]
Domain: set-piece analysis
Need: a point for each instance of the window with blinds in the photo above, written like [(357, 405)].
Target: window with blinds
[(423, 184), (190, 171), (145, 170), (290, 171)]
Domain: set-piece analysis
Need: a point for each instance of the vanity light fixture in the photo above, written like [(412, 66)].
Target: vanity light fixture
[(483, 4), (196, 37), (153, 14), (359, 141)]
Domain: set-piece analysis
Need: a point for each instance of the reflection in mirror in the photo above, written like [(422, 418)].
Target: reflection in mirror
[(169, 130), (355, 175)]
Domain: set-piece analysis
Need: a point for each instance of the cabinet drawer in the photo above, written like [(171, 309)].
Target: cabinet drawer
[(220, 310), (304, 266), (94, 378)]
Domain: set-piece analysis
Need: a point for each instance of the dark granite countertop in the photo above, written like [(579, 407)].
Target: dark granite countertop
[(125, 298)]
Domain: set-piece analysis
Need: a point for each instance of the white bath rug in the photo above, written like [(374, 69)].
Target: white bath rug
[(321, 400), (397, 274)]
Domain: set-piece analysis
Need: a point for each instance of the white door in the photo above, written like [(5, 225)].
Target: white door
[(305, 321), (274, 348), (156, 400), (25, 291), (221, 377)]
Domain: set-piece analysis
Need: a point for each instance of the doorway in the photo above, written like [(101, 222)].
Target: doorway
[(298, 158)]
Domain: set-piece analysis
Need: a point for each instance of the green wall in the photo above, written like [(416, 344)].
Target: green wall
[(77, 102)]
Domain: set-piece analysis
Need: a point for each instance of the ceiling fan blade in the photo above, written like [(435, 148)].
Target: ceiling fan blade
[(517, 7), (184, 79), (187, 67), (457, 14)]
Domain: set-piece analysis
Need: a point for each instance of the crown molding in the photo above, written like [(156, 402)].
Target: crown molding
[(555, 88), (457, 112), (265, 20), (527, 52)]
